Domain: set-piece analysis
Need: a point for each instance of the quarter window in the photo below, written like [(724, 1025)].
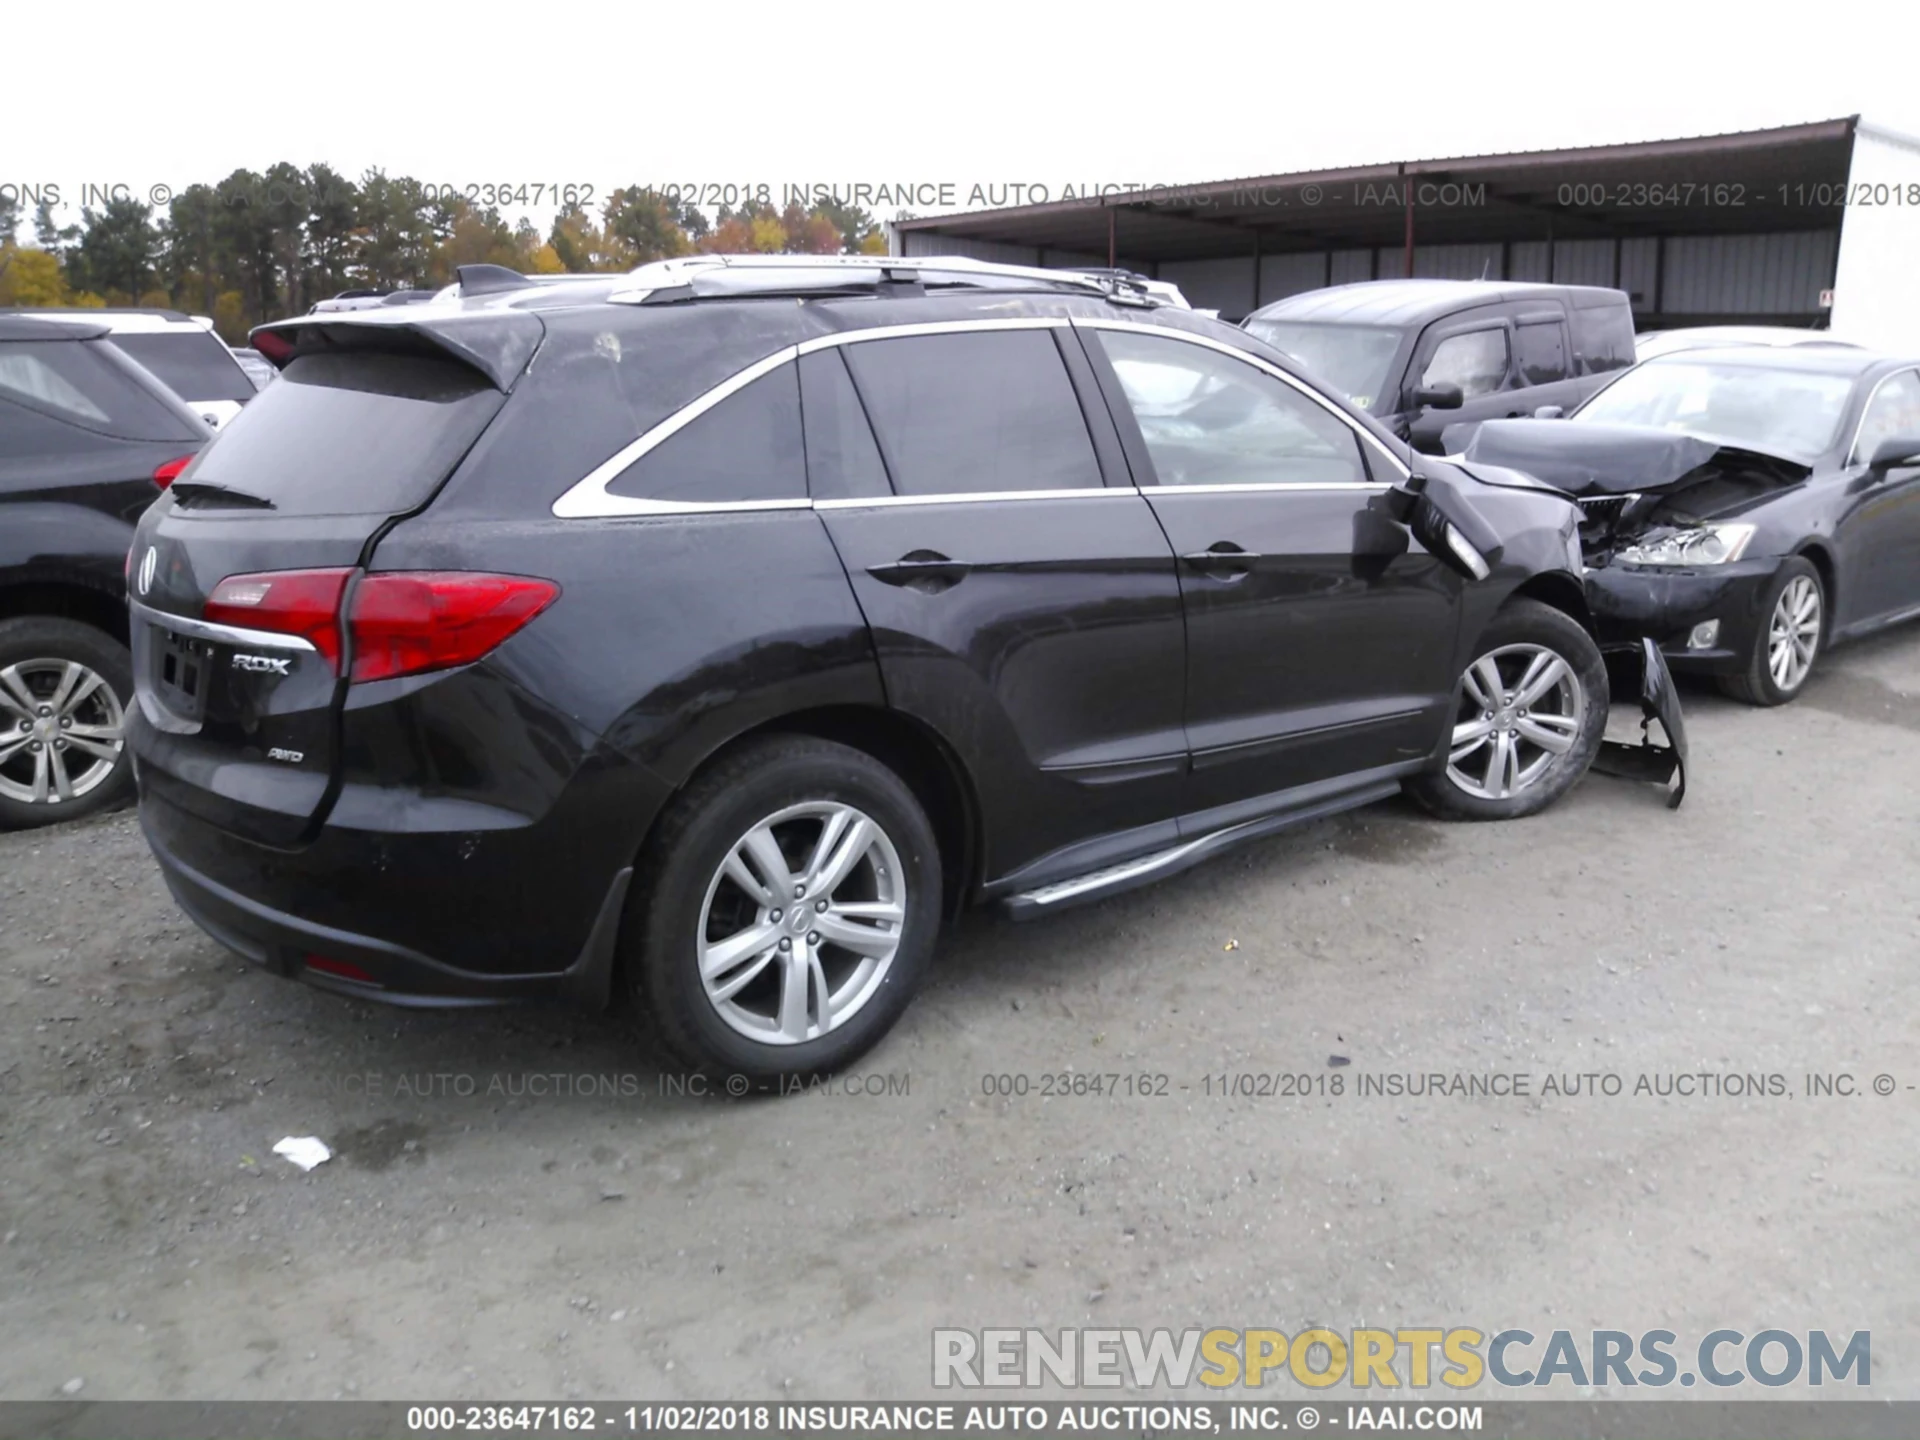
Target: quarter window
[(1209, 419), (1476, 361), (975, 413), (1894, 410), (748, 447)]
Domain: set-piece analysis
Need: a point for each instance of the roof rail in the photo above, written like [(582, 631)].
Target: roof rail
[(697, 277)]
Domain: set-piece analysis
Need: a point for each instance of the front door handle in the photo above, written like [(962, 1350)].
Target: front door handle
[(1223, 559), (927, 571)]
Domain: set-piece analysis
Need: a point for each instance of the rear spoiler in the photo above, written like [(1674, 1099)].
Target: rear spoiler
[(497, 343)]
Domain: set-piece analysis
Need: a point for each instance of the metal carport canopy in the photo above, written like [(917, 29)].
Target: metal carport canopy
[(1790, 178)]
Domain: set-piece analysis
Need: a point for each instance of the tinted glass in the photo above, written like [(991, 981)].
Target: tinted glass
[(1542, 351), (81, 384), (1475, 361), (1893, 411), (351, 434), (1353, 359), (977, 413), (1603, 339), (843, 461), (26, 433), (1795, 413), (193, 364), (748, 447), (1209, 419)]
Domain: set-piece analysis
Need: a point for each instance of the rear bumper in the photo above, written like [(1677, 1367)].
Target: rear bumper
[(371, 915), (1666, 605)]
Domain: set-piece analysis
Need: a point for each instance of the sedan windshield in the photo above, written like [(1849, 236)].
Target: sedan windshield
[(1782, 411), (1353, 359)]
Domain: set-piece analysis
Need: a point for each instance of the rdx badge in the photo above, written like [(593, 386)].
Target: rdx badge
[(263, 664)]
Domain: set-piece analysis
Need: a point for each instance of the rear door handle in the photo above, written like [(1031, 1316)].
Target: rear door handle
[(925, 570), (1223, 555)]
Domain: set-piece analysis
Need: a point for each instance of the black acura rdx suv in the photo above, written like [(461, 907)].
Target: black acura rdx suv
[(713, 631)]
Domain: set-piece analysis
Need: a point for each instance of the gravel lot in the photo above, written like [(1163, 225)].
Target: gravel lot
[(521, 1241)]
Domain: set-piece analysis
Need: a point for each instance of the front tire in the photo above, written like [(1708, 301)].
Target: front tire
[(1530, 713), (64, 691), (1787, 641), (787, 910)]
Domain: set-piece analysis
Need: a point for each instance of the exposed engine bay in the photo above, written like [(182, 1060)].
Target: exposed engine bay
[(1644, 494)]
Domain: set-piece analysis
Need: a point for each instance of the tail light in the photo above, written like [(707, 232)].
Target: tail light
[(285, 602), (401, 622), (165, 475), (406, 623)]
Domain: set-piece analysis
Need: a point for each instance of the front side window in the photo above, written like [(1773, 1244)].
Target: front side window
[(975, 413), (1475, 360), (1541, 348), (746, 448), (1893, 411), (1209, 419)]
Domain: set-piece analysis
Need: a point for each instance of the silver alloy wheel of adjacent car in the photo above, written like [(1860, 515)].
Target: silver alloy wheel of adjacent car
[(61, 731), (1521, 709), (801, 922), (1793, 634)]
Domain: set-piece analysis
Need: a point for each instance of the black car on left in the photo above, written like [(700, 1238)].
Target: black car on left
[(1745, 507)]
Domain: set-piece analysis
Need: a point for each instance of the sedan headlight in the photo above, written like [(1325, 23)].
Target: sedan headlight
[(1695, 545)]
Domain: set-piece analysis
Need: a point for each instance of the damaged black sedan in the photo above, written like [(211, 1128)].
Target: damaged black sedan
[(1744, 508)]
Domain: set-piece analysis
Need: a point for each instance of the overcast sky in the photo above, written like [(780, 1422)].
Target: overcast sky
[(990, 94)]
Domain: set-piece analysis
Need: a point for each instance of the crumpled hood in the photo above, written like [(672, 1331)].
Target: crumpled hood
[(1584, 458)]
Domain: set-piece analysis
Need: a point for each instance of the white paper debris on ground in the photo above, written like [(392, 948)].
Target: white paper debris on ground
[(306, 1151)]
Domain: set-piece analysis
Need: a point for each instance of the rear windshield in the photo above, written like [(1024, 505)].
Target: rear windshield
[(1354, 359), (80, 383), (194, 364), (351, 434)]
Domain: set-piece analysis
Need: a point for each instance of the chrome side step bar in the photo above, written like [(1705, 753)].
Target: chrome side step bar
[(1132, 874)]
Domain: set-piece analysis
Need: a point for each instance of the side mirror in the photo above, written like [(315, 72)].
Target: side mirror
[(1550, 412), (1894, 452), (1412, 504), (1439, 397)]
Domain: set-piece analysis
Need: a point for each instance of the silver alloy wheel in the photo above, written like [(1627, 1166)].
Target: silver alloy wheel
[(801, 922), (1521, 709), (61, 731), (1793, 635)]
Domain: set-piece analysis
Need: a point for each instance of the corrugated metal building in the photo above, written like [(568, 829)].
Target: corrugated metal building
[(1743, 227)]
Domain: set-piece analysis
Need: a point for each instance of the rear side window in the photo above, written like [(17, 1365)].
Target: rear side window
[(1603, 338), (746, 448), (843, 462), (191, 363), (975, 413), (1541, 348), (1476, 361), (76, 382), (351, 434)]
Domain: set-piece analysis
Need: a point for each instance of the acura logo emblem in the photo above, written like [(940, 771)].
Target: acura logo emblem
[(148, 564)]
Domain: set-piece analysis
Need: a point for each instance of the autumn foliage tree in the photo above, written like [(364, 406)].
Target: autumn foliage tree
[(257, 245)]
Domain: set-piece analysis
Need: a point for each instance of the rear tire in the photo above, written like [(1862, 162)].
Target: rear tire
[(742, 978), (1786, 623), (65, 689), (1529, 716)]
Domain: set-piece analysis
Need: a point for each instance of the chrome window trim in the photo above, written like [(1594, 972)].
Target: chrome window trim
[(588, 498), (961, 497), (1268, 487), (1366, 436), (226, 634), (1853, 446)]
